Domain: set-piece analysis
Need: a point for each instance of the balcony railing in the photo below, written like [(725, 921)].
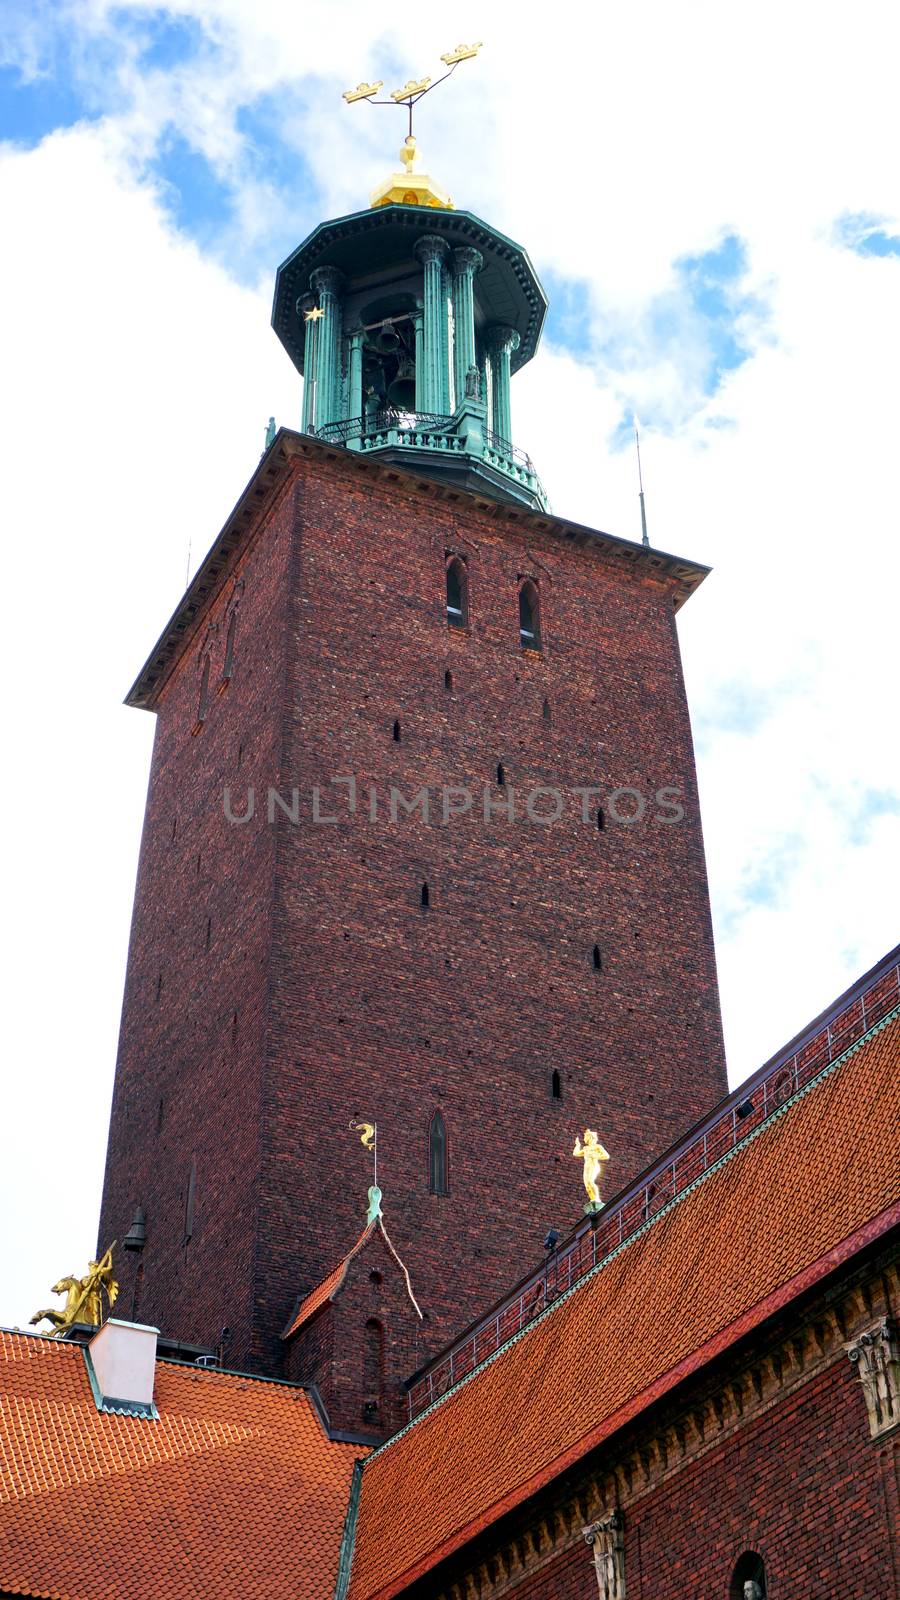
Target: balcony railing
[(430, 431), (728, 1126)]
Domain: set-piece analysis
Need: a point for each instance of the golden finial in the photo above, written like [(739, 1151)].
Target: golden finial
[(84, 1296), (363, 91), (411, 188), (595, 1158), (463, 52), (368, 1138)]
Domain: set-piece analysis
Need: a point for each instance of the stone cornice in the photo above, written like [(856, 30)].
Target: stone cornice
[(682, 577)]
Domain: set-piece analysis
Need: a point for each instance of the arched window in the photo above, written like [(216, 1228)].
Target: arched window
[(229, 649), (203, 703), (748, 1580), (425, 896), (373, 1370), (529, 617), (437, 1156), (457, 593)]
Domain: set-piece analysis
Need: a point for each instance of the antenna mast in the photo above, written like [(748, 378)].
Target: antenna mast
[(637, 440)]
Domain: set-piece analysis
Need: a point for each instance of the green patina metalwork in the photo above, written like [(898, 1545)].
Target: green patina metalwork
[(407, 325)]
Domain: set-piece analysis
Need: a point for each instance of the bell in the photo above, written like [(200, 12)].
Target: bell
[(402, 392), (136, 1237), (386, 341)]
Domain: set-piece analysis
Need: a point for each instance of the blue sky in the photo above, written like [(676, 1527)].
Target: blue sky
[(722, 253)]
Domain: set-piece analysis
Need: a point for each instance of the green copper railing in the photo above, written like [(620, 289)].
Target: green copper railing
[(433, 431)]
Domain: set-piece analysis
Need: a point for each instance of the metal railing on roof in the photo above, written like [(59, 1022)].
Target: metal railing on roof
[(728, 1126)]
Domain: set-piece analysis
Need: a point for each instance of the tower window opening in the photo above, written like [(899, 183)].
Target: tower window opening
[(501, 774), (174, 828), (601, 820), (529, 617), (546, 711), (158, 985), (437, 1156), (425, 896), (160, 1113), (208, 931), (748, 1580), (397, 732), (457, 594), (203, 702), (555, 1085), (240, 756), (597, 959), (448, 679), (199, 859), (228, 668)]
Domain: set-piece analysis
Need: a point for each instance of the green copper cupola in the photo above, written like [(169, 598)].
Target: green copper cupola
[(408, 321)]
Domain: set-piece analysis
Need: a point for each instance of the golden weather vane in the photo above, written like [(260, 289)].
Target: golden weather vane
[(412, 92), (368, 1138)]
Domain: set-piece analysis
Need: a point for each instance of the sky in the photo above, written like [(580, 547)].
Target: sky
[(709, 194)]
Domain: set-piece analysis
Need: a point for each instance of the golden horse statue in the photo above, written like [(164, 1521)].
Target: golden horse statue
[(595, 1158), (84, 1297)]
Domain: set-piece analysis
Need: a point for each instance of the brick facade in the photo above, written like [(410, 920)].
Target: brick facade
[(769, 1452), (284, 980)]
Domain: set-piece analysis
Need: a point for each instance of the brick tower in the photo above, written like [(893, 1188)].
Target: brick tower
[(422, 842)]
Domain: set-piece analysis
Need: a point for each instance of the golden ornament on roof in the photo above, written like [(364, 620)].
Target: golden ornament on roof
[(409, 89), (84, 1297), (463, 52), (363, 91), (595, 1158)]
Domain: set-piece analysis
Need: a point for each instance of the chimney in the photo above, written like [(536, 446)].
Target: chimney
[(121, 1363)]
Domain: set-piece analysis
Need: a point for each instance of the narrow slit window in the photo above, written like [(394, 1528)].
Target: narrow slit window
[(397, 732), (555, 1085), (208, 931), (501, 774), (546, 714), (529, 617), (373, 1370), (597, 959), (448, 679), (425, 896), (457, 594), (601, 820), (437, 1155), (229, 649), (203, 702)]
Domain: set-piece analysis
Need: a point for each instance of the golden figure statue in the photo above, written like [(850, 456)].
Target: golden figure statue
[(84, 1296), (595, 1158)]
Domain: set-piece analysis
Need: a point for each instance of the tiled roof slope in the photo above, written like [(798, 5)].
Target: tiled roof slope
[(820, 1178), (327, 1289), (235, 1490)]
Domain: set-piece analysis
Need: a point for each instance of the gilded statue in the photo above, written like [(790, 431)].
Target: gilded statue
[(595, 1158), (84, 1297)]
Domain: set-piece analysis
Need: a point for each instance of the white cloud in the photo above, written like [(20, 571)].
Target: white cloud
[(140, 374)]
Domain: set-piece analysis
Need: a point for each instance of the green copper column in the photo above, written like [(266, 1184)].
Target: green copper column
[(355, 406), (501, 342), (418, 322), (304, 304), (327, 283), (466, 262), (431, 251)]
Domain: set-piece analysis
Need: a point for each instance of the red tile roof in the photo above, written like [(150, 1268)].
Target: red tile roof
[(327, 1289), (236, 1490), (331, 1286), (818, 1179)]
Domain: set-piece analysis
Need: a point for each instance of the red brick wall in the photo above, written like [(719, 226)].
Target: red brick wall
[(352, 999), (804, 1486)]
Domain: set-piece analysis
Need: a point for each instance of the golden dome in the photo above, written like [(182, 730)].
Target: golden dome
[(411, 187)]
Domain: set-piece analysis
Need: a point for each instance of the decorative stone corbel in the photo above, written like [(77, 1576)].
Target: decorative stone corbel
[(607, 1541), (876, 1357)]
